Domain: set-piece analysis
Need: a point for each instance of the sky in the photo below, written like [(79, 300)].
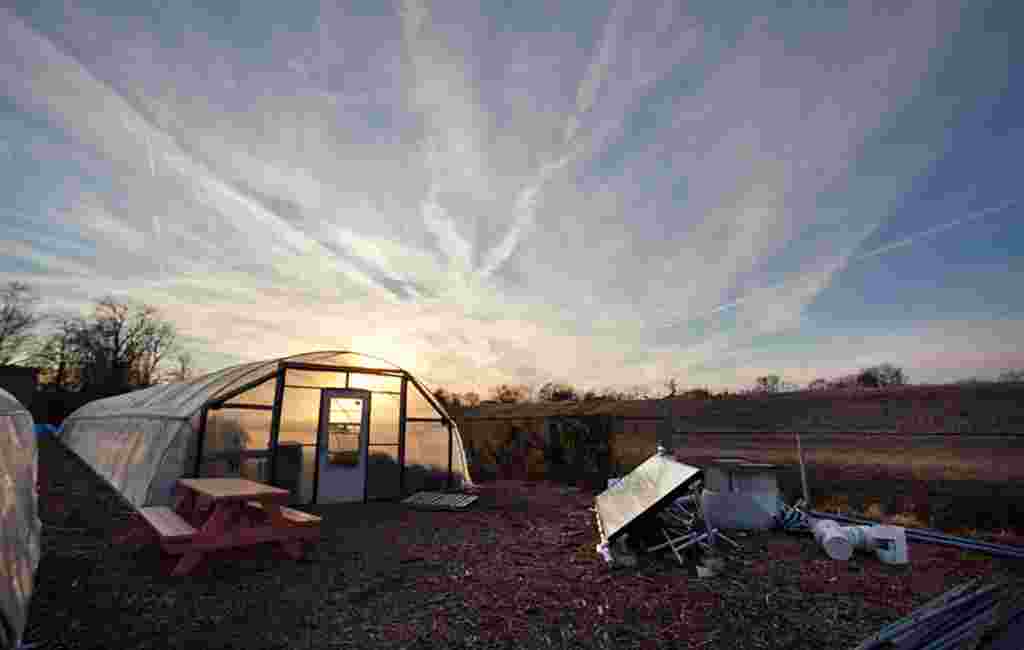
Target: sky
[(607, 194)]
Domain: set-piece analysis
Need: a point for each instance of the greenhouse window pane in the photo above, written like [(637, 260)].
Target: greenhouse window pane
[(354, 360), (261, 395), (236, 429), (383, 474), (417, 405), (295, 467), (236, 443), (300, 415), (314, 378), (384, 419), (220, 468), (375, 382), (426, 456)]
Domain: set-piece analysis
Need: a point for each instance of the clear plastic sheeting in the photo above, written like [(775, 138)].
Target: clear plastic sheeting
[(383, 474), (417, 405), (19, 520), (375, 383), (345, 358), (262, 395), (426, 456), (384, 411), (143, 442), (300, 415), (130, 453), (315, 379)]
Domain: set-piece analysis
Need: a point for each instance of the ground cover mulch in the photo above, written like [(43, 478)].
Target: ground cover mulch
[(517, 570)]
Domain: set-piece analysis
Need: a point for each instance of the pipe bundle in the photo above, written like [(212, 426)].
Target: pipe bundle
[(960, 616)]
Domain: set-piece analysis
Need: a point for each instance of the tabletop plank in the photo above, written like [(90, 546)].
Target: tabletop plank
[(233, 489)]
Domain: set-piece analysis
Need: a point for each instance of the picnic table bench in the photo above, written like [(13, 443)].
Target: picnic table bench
[(168, 524), (217, 513)]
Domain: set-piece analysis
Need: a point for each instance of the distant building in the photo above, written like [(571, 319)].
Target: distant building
[(21, 382)]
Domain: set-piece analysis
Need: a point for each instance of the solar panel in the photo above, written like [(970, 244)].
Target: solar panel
[(654, 483)]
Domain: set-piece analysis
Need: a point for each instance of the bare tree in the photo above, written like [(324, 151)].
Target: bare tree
[(607, 393), (845, 381), (59, 357), (698, 393), (636, 391), (508, 394), (557, 392), (121, 347), (17, 320), (671, 387), (157, 339), (184, 369), (448, 400), (769, 384), (880, 376), (1011, 375)]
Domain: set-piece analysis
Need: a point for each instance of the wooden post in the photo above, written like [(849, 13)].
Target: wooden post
[(803, 471)]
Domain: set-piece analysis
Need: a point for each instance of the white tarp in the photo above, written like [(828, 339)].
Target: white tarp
[(19, 520), (142, 442)]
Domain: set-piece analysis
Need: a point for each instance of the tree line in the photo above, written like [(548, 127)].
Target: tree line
[(120, 346), (882, 375)]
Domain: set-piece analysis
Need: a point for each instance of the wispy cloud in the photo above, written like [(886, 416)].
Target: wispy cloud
[(646, 192), (804, 286)]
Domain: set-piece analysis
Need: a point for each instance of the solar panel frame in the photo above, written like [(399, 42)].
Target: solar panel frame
[(653, 484)]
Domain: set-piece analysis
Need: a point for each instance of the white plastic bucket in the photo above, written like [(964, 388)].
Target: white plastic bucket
[(832, 538), (889, 543)]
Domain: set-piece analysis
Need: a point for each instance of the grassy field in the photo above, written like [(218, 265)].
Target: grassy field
[(948, 481), (960, 482)]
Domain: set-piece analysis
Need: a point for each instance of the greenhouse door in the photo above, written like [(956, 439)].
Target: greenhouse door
[(342, 445)]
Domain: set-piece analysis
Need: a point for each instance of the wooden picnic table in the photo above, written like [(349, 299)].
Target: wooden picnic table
[(217, 513)]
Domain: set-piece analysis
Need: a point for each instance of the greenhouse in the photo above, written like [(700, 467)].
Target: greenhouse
[(19, 522), (330, 427)]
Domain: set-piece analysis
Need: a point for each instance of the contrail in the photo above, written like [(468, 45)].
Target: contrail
[(907, 241), (881, 250)]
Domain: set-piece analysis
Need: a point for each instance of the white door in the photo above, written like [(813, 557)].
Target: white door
[(342, 445)]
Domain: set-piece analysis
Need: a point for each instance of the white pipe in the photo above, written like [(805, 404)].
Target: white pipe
[(830, 535), (888, 542)]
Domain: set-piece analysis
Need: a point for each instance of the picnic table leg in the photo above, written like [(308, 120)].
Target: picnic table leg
[(187, 562), (275, 515), (185, 504), (219, 521), (135, 532), (292, 547), (216, 526)]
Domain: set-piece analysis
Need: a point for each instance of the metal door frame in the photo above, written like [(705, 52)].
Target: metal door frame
[(364, 434)]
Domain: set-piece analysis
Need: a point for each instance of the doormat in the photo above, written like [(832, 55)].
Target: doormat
[(440, 501)]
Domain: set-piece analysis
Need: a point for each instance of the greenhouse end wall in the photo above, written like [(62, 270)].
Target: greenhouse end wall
[(19, 519), (140, 458)]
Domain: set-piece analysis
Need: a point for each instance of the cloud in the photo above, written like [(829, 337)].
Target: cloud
[(483, 205)]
